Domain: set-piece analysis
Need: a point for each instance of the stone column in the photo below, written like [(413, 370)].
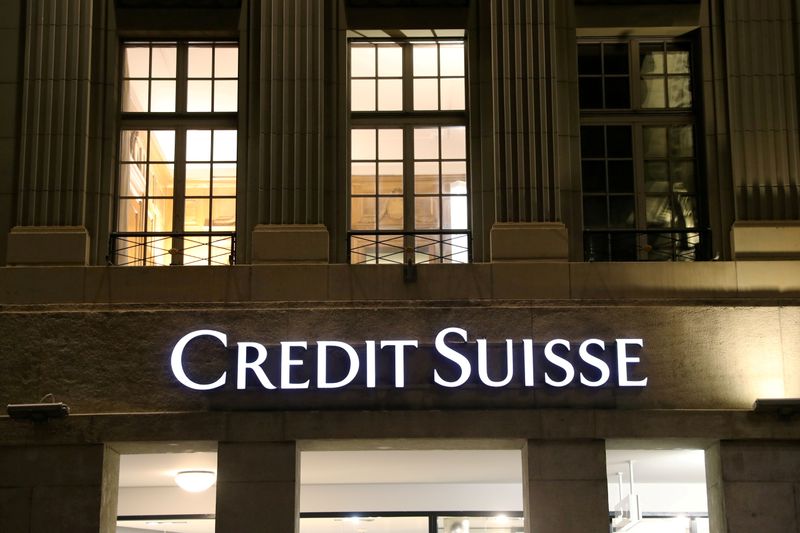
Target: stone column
[(565, 489), (54, 489), (754, 486), (257, 487)]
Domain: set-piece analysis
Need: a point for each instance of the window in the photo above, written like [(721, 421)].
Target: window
[(408, 149), (177, 154), (638, 152)]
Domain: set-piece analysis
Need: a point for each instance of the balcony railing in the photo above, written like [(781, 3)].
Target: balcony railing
[(401, 247), (169, 248), (647, 245)]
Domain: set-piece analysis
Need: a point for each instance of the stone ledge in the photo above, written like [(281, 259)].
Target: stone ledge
[(48, 245), (290, 243), (766, 240)]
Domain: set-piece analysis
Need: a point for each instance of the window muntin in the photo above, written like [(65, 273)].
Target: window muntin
[(178, 154), (408, 152)]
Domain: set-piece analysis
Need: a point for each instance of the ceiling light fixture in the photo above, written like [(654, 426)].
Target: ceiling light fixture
[(195, 480)]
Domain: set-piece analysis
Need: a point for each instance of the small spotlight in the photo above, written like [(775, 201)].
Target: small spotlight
[(37, 412)]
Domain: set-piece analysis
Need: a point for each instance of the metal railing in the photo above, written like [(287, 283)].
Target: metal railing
[(409, 247), (172, 248), (647, 245)]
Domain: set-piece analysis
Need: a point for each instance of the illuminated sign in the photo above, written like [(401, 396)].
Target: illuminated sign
[(457, 361)]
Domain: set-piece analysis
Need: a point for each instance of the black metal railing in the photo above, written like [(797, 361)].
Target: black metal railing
[(647, 245), (172, 248), (404, 247)]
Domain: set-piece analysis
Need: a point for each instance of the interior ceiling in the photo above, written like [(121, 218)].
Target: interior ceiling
[(419, 466)]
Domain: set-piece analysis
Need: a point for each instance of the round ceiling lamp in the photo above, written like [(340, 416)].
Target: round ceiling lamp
[(195, 480)]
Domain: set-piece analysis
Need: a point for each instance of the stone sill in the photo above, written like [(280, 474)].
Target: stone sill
[(520, 281)]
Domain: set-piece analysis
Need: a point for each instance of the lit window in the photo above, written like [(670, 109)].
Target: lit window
[(408, 151), (638, 156), (177, 154)]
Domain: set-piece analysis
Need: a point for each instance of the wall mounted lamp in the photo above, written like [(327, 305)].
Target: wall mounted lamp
[(195, 480)]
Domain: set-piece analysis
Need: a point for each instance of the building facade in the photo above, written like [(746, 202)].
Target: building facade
[(276, 232)]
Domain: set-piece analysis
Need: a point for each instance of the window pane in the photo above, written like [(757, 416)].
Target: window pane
[(426, 177), (390, 178), (653, 95), (680, 91), (591, 93), (454, 212), (618, 93), (615, 58), (200, 61), (677, 61), (226, 62), (686, 214), (595, 212), (426, 143), (198, 96), (681, 141), (620, 176), (195, 250), (655, 141), (656, 179), (621, 211), (159, 214), (223, 214), (426, 212), (454, 177), (135, 96), (390, 61), (426, 94), (362, 213), (162, 178), (589, 59), (362, 61), (133, 145), (362, 178), (362, 250), (362, 144), (136, 62), (454, 142), (452, 93), (651, 59), (619, 141), (362, 97), (425, 63), (683, 176), (390, 95), (592, 142), (225, 95), (196, 215), (162, 145), (198, 179), (131, 215), (390, 213), (131, 180), (658, 211), (164, 62), (225, 145), (390, 144), (162, 99), (593, 176), (198, 145), (451, 58)]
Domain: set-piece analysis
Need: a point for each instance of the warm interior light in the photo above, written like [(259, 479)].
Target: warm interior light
[(195, 480)]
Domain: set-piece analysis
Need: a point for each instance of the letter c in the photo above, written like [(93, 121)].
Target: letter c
[(177, 359)]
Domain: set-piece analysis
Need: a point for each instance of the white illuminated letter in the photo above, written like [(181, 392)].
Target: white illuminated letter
[(177, 359), (287, 363), (454, 356), (370, 364), (255, 366), (399, 361), (483, 364), (623, 360), (596, 362), (527, 352), (559, 362), (322, 358)]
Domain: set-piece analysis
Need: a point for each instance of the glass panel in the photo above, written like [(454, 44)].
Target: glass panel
[(390, 95), (362, 250), (593, 176), (136, 62), (390, 61), (390, 144), (678, 61), (593, 142), (162, 179), (133, 145), (164, 62), (595, 212), (131, 215), (390, 178), (427, 249), (162, 145), (196, 214), (162, 97), (452, 93), (362, 95), (454, 177), (619, 141), (651, 59), (658, 211), (680, 91), (426, 177), (615, 58), (455, 249), (198, 179), (681, 141), (589, 59), (618, 93), (426, 212), (226, 62), (591, 93), (451, 57), (195, 250), (390, 213), (198, 145), (454, 142), (454, 212), (390, 249), (223, 214), (686, 214), (620, 176), (362, 61), (595, 247), (621, 212), (426, 143), (683, 176), (131, 180), (362, 213), (362, 144), (198, 95), (159, 214), (623, 247), (655, 141), (200, 61), (656, 179), (134, 96), (224, 179), (425, 63), (362, 178), (426, 94), (220, 255), (494, 524), (225, 95), (653, 95), (225, 145)]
